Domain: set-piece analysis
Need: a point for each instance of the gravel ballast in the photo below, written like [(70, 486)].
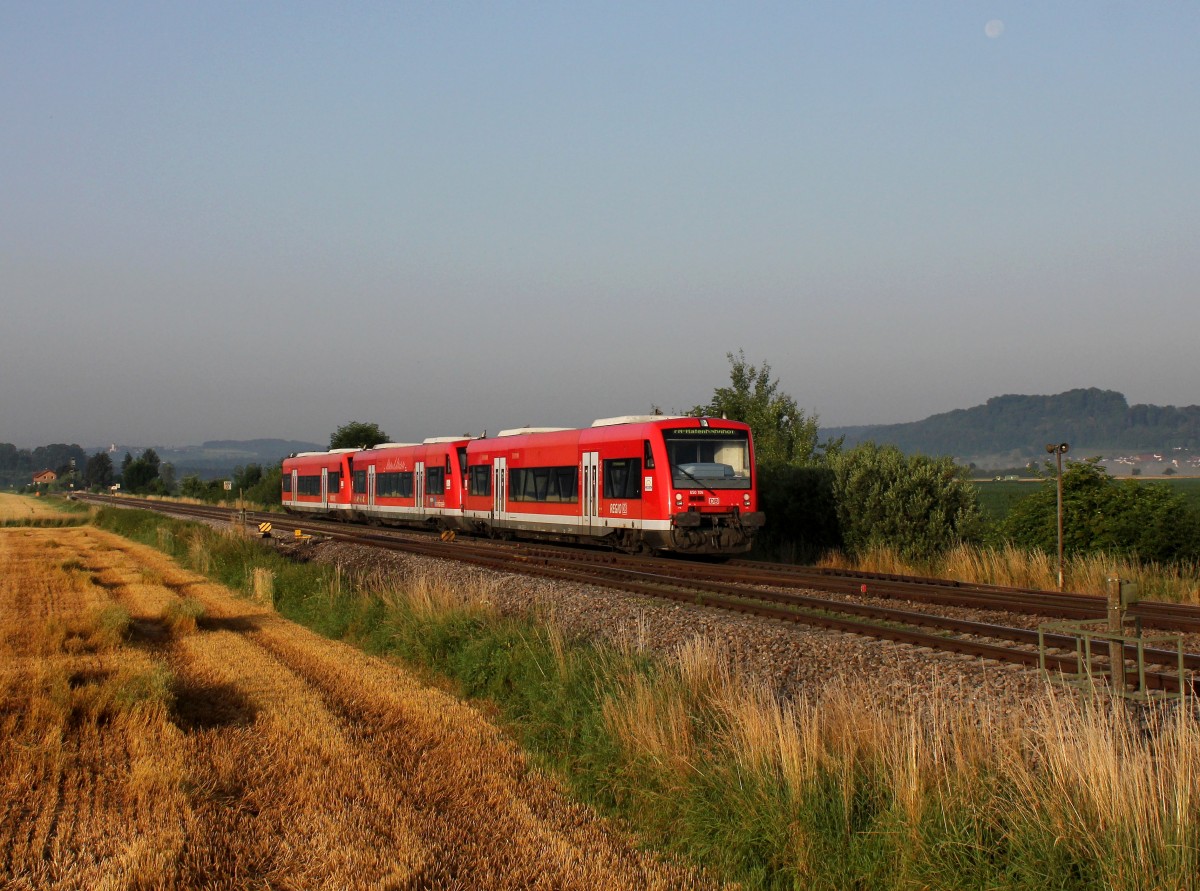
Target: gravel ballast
[(793, 660)]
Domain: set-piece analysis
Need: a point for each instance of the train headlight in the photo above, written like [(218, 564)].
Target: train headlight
[(746, 499), (679, 498)]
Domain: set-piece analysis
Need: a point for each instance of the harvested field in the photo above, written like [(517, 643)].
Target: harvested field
[(25, 509), (157, 731)]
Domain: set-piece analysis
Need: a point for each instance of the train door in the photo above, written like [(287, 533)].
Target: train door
[(371, 486), (419, 488), (294, 494), (591, 491), (499, 489), (325, 487)]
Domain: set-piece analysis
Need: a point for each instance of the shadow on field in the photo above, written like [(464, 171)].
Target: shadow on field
[(207, 706), (237, 624)]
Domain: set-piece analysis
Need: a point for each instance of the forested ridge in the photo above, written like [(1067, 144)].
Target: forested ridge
[(1090, 418)]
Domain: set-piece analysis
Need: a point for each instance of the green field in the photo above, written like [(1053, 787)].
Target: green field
[(997, 497)]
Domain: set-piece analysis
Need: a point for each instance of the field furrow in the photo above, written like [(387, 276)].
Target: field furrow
[(231, 748)]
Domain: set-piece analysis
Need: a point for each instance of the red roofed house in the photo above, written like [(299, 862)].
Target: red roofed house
[(45, 476)]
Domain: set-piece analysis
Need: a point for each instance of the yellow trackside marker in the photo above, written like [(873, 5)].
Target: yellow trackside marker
[(264, 528), (448, 535)]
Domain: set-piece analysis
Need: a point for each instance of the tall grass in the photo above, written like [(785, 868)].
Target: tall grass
[(1014, 567), (832, 790), (262, 586)]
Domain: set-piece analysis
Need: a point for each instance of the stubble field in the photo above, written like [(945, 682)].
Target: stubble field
[(157, 731), (25, 510)]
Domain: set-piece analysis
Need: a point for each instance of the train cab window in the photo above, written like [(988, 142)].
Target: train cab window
[(708, 458), (648, 456), (435, 480), (360, 482), (287, 482), (623, 478), (479, 480)]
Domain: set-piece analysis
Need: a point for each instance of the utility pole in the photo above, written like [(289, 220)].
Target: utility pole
[(1058, 451)]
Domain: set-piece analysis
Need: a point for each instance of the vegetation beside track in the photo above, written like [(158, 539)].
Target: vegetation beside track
[(1009, 566), (829, 792)]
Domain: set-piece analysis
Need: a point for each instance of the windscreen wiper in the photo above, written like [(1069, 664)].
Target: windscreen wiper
[(689, 476)]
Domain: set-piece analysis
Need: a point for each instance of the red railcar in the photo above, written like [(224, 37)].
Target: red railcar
[(318, 482), (411, 483), (640, 483), (637, 483)]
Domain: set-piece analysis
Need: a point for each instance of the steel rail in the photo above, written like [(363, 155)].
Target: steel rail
[(688, 583)]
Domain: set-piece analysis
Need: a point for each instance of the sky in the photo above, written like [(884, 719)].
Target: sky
[(238, 220)]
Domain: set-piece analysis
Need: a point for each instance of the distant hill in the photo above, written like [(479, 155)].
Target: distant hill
[(280, 448), (218, 457), (1009, 431)]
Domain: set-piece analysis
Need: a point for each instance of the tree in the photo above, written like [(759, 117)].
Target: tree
[(782, 433), (98, 472), (151, 458), (245, 478), (137, 477), (357, 435), (191, 486), (1103, 514), (166, 476), (266, 490), (919, 506), (58, 457), (802, 521), (140, 476)]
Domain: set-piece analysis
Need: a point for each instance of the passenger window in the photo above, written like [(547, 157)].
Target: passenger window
[(480, 479), (623, 478)]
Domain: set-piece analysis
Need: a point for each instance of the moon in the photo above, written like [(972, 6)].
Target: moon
[(994, 28)]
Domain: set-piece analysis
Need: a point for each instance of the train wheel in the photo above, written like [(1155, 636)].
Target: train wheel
[(630, 542)]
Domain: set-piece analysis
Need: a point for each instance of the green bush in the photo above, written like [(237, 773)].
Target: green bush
[(801, 515), (1121, 517), (918, 506)]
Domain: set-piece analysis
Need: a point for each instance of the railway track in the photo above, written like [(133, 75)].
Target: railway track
[(771, 592)]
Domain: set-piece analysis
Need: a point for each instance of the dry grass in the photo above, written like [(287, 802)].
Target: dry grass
[(1017, 568), (263, 587), (248, 751), (433, 594), (1120, 792)]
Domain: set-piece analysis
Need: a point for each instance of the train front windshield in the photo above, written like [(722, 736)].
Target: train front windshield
[(708, 458)]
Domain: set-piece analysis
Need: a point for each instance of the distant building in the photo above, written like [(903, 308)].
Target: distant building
[(45, 476)]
